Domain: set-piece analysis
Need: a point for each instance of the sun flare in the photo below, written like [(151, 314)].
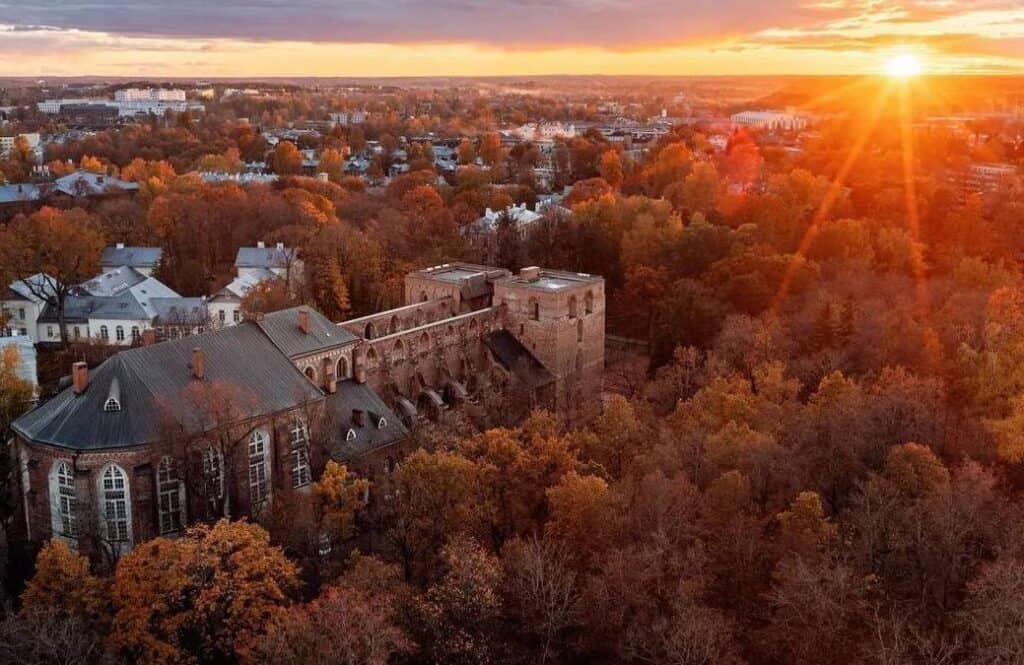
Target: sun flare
[(903, 65)]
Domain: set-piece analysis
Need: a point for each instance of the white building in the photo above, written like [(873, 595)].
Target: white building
[(149, 95), (7, 143), (532, 131), (253, 266), (770, 120), (23, 304)]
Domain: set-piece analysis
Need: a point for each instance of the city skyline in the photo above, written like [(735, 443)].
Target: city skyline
[(507, 37)]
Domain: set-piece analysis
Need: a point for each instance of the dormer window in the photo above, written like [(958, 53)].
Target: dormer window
[(382, 423), (113, 402), (351, 435)]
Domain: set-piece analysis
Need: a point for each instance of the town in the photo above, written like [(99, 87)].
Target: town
[(610, 369)]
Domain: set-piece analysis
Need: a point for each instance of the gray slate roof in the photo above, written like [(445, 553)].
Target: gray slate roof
[(151, 376), (136, 257), (263, 257), (282, 327), (369, 437)]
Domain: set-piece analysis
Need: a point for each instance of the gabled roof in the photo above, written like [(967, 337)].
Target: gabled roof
[(122, 293), (352, 396), (151, 377), (22, 289), (241, 285), (264, 257), (113, 281), (135, 257), (88, 183), (282, 327), (20, 192)]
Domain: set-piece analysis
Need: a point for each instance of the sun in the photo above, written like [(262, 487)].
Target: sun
[(903, 66)]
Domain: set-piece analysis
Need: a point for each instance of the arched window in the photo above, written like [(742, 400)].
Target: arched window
[(589, 302), (424, 344), (371, 358), (119, 333), (259, 486), (135, 334), (115, 504), (423, 296), (579, 330), (350, 435), (104, 333), (62, 500), (535, 310), (371, 330), (396, 325), (169, 495), (572, 307), (398, 352), (300, 454), (342, 370), (311, 373), (213, 473), (111, 405)]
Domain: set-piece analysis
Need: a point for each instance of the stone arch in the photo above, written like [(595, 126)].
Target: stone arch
[(341, 368), (418, 321), (423, 296), (371, 358), (395, 325), (398, 351), (370, 331), (424, 344)]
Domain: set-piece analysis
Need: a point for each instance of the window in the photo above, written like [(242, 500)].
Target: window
[(213, 473), (77, 333), (300, 454), (342, 370), (236, 315), (311, 374), (535, 311), (258, 487), (119, 333), (135, 334), (351, 435), (104, 333), (49, 332), (21, 313), (115, 509), (382, 423), (23, 331), (62, 496), (169, 486), (222, 315), (111, 405), (588, 302)]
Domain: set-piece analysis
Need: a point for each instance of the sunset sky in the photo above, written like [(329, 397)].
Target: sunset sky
[(504, 37)]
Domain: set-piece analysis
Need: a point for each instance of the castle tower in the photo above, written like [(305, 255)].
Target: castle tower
[(559, 317)]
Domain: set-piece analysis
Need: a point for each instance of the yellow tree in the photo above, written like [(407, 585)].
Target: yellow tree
[(63, 585), (205, 597), (339, 495), (611, 168)]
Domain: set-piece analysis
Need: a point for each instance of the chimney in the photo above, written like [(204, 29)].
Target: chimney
[(304, 321), (331, 386), (531, 274), (358, 417), (79, 377), (120, 245), (198, 366), (360, 375), (280, 245), (260, 245), (322, 177), (148, 337)]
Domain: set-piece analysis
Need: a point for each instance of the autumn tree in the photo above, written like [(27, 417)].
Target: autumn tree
[(286, 160), (207, 596), (50, 252), (611, 168)]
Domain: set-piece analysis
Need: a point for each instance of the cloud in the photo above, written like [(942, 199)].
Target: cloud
[(511, 31)]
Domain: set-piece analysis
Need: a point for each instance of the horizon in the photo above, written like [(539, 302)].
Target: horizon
[(495, 38)]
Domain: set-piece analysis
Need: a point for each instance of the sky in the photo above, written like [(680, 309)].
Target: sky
[(207, 38)]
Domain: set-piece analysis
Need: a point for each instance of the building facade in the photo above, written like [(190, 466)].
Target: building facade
[(222, 422)]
